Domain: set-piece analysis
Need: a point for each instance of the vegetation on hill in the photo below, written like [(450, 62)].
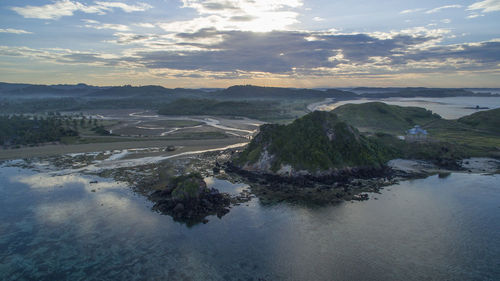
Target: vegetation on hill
[(376, 117), (255, 92), (477, 133), (381, 117), (264, 110), (318, 141), (324, 140), (21, 130), (473, 135), (484, 120)]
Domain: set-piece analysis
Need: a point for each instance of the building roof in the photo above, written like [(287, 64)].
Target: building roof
[(416, 131)]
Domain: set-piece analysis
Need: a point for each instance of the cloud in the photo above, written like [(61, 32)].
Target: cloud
[(473, 16), (409, 11), (124, 38), (97, 25), (14, 31), (278, 52), (63, 8), (61, 56), (464, 57), (247, 6), (140, 7), (211, 53), (145, 25), (318, 19), (438, 9), (55, 10), (485, 6), (244, 15)]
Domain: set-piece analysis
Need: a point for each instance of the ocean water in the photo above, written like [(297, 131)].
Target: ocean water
[(448, 108), (62, 227)]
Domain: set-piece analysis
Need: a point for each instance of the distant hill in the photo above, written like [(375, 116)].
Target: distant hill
[(86, 91), (252, 109), (484, 120), (367, 92), (130, 91), (319, 141), (233, 92), (39, 91), (11, 86), (255, 92), (23, 98), (381, 117)]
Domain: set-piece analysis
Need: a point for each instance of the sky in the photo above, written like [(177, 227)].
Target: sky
[(219, 43)]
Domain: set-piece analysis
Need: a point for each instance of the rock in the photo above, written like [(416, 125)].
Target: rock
[(444, 175), (187, 199), (178, 208)]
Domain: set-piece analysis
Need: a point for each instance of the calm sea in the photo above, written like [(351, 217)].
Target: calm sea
[(62, 227)]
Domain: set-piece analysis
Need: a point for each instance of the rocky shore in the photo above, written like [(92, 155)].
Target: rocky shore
[(338, 186)]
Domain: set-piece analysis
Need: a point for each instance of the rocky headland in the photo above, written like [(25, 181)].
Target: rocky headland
[(322, 158), (316, 158)]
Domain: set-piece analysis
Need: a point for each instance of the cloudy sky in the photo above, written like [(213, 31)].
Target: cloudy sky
[(218, 43)]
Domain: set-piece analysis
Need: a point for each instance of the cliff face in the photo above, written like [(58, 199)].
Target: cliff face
[(316, 144)]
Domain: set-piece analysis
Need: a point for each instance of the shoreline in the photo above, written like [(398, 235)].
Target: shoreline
[(146, 178), (349, 186), (62, 149)]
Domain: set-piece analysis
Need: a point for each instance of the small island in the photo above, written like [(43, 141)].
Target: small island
[(187, 199)]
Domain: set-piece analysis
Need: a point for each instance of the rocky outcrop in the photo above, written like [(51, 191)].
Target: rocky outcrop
[(341, 185), (336, 176), (187, 199)]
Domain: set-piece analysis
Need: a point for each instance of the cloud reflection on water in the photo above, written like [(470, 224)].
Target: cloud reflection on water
[(101, 201)]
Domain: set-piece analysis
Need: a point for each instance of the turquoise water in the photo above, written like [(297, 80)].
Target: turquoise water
[(56, 228)]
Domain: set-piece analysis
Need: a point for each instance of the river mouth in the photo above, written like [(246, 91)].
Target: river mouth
[(433, 228)]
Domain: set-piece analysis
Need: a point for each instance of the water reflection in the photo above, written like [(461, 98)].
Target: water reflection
[(226, 186), (424, 229)]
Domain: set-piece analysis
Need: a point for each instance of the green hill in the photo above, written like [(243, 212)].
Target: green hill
[(381, 117), (321, 141), (316, 142), (484, 120)]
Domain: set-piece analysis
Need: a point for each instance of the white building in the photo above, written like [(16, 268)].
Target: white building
[(416, 133)]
